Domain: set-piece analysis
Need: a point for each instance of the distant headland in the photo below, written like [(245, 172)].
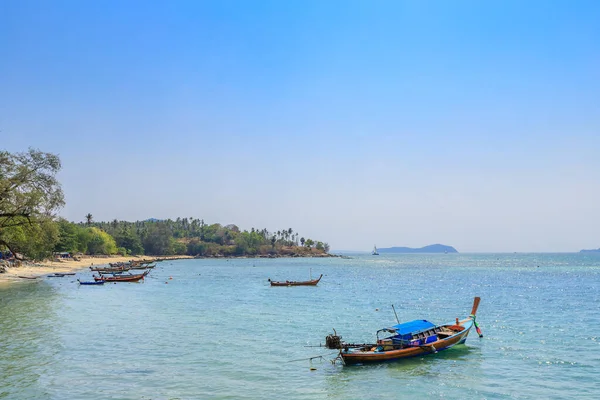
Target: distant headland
[(432, 248), (590, 251)]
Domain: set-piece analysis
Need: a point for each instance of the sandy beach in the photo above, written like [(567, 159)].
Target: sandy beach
[(41, 269)]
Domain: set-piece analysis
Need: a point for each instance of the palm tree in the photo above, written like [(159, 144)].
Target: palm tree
[(89, 218)]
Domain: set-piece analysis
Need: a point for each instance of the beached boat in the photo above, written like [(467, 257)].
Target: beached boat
[(90, 282), (121, 278), (408, 339), (375, 252), (312, 282)]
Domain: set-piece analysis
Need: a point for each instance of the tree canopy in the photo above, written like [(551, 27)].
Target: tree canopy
[(30, 195)]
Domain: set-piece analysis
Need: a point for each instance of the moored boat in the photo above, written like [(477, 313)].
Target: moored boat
[(109, 269), (121, 278), (312, 282), (143, 266), (90, 282), (408, 339)]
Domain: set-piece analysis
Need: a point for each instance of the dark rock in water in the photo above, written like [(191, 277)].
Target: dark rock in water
[(433, 248)]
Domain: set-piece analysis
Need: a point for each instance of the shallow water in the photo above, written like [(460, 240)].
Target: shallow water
[(218, 330)]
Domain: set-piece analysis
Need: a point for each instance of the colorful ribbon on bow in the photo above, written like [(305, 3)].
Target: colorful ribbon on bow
[(476, 326)]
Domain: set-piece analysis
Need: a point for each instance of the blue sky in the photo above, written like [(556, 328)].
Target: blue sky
[(473, 124)]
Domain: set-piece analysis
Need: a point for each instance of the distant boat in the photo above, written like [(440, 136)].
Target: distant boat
[(312, 282), (121, 278), (90, 282), (375, 252)]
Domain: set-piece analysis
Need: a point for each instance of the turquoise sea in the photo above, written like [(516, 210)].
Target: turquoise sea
[(217, 330)]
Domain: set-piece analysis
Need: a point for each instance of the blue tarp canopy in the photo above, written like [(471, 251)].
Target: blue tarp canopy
[(416, 326)]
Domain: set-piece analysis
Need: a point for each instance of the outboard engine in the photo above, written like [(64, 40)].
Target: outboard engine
[(333, 341)]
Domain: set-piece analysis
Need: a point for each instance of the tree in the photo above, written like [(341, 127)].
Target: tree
[(309, 243), (129, 240), (302, 241), (29, 197), (100, 242), (35, 241), (88, 219), (67, 236), (158, 240)]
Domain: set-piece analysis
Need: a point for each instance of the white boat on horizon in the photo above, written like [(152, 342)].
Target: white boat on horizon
[(375, 252)]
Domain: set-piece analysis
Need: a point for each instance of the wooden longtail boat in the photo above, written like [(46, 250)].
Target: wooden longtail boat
[(312, 282), (409, 339), (107, 269), (143, 267), (90, 282), (121, 278)]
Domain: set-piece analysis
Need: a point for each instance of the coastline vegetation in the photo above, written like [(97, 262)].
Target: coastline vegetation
[(30, 197)]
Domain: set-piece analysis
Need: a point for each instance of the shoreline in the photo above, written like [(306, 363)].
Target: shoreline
[(29, 271), (32, 271)]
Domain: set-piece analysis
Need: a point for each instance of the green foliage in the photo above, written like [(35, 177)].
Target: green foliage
[(158, 239), (129, 240), (100, 242), (35, 241), (309, 243), (29, 197), (67, 236), (178, 247), (196, 247)]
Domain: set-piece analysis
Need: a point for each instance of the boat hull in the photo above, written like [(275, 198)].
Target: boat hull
[(352, 357), (91, 283), (121, 278), (297, 283)]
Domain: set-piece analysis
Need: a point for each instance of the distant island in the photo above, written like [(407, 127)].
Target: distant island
[(590, 251), (433, 248)]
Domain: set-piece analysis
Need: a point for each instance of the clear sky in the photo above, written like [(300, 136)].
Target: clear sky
[(468, 123)]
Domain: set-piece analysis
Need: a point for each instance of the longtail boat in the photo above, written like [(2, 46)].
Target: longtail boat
[(312, 282), (121, 278), (90, 282), (109, 269), (409, 339), (143, 267)]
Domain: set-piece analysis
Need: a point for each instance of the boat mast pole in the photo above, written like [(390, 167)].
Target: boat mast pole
[(393, 308)]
